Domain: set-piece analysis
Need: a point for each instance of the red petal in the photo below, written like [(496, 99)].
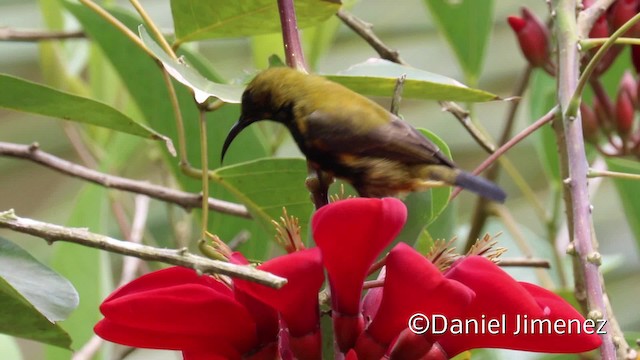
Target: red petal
[(517, 23), (351, 234), (351, 355), (172, 304), (168, 277), (414, 285), (145, 338), (498, 295), (297, 301)]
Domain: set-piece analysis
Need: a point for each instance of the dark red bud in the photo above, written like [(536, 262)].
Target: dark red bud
[(533, 37), (589, 123), (625, 113), (620, 12), (600, 29)]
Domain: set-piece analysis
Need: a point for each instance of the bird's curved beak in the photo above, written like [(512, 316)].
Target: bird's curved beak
[(235, 130)]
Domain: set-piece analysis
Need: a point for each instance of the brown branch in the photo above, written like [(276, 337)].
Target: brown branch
[(182, 198), (365, 31), (463, 116), (179, 257), (22, 35), (574, 171)]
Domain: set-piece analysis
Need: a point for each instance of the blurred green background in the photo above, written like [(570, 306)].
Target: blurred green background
[(405, 25)]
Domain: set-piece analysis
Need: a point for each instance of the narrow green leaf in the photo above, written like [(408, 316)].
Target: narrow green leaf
[(377, 77), (265, 186), (33, 298), (466, 24), (202, 87), (22, 95), (199, 20), (628, 191)]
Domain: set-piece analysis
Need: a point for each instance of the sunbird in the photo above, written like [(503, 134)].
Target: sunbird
[(351, 137)]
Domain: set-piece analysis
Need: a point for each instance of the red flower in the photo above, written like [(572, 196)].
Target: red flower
[(412, 285), (351, 234), (498, 295), (176, 309), (533, 37), (297, 301)]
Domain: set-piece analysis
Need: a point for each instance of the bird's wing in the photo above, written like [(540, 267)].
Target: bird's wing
[(395, 140)]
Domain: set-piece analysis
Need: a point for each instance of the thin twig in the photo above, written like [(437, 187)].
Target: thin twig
[(548, 117), (179, 257), (365, 31), (117, 24), (23, 35), (205, 173), (184, 199), (612, 174), (463, 116), (525, 262), (397, 95)]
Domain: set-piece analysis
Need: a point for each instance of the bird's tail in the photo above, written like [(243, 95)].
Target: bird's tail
[(480, 186)]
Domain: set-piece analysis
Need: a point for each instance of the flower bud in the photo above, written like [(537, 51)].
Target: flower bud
[(600, 28), (625, 113), (628, 84), (589, 123), (621, 11), (533, 37)]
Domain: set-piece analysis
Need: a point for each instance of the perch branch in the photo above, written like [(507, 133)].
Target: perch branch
[(179, 257)]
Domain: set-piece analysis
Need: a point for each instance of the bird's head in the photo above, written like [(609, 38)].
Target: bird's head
[(269, 96)]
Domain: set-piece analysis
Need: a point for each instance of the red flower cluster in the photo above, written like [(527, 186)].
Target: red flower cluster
[(208, 319)]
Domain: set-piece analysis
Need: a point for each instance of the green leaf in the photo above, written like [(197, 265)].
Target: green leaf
[(199, 20), (377, 77), (425, 242), (265, 186), (22, 95), (628, 191), (466, 24), (144, 82), (202, 87), (33, 298), (424, 207)]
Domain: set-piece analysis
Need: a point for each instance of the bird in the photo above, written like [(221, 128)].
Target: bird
[(351, 137)]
